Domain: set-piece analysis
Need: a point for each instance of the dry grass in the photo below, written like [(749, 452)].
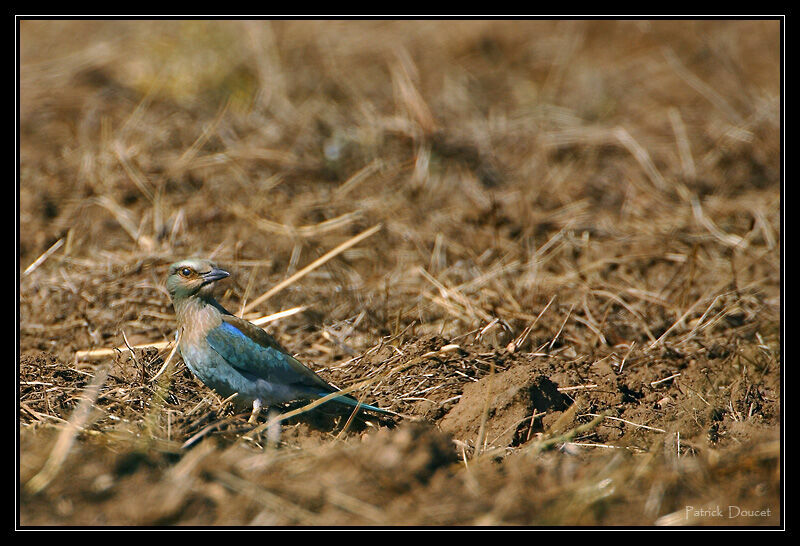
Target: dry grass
[(553, 247)]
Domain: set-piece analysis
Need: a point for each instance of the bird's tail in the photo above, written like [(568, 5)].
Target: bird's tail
[(344, 399)]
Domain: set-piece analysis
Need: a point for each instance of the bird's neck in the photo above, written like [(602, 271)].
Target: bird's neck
[(198, 309)]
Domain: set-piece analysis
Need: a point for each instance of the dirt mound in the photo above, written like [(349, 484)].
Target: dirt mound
[(503, 409)]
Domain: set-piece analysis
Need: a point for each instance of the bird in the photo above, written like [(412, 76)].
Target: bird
[(233, 356)]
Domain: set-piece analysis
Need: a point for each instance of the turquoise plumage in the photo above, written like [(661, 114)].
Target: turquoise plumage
[(232, 355)]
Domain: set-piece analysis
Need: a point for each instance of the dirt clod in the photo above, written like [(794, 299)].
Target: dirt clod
[(502, 406)]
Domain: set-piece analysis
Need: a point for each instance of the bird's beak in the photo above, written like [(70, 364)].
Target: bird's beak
[(214, 275)]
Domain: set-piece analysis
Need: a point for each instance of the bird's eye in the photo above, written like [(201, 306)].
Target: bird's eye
[(186, 272)]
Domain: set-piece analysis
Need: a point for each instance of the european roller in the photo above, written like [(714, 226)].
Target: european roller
[(232, 355)]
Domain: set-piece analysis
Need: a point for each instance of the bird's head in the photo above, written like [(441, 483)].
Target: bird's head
[(191, 277)]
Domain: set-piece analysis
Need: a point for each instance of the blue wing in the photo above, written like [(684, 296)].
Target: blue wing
[(256, 354), (263, 358)]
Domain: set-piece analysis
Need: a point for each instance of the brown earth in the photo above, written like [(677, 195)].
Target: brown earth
[(572, 302)]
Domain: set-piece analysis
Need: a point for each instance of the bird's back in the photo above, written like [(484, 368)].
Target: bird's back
[(232, 355)]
